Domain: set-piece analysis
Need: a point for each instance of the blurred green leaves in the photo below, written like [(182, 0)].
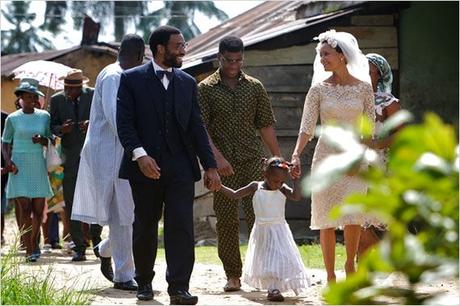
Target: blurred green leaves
[(419, 188)]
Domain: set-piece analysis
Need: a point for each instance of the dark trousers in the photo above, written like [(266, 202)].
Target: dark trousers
[(53, 228), (173, 193), (76, 231), (228, 217)]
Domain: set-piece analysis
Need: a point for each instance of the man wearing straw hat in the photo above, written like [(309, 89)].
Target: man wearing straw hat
[(69, 110)]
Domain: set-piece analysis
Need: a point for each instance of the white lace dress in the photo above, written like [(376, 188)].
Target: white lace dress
[(273, 260), (340, 105)]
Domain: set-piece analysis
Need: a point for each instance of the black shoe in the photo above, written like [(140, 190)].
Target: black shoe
[(79, 256), (106, 268), (96, 251), (56, 246), (182, 297), (144, 292), (130, 285)]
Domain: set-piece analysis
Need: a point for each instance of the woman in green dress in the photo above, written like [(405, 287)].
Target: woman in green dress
[(28, 129)]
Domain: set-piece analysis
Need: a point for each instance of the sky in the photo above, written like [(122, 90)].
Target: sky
[(70, 37)]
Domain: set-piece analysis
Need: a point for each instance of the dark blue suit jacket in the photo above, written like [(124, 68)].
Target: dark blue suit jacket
[(139, 119)]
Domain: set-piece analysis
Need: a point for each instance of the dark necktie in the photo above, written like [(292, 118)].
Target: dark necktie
[(75, 110), (161, 73)]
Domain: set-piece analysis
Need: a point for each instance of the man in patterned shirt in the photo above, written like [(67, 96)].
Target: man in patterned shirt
[(235, 106)]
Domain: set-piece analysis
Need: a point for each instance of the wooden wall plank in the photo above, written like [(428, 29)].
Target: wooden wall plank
[(374, 20), (373, 37), (287, 99), (285, 56), (291, 79), (303, 55)]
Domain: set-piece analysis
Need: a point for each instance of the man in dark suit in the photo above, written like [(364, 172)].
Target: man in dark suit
[(69, 111), (161, 129)]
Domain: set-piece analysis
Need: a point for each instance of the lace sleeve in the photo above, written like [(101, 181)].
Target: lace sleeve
[(369, 104), (310, 112)]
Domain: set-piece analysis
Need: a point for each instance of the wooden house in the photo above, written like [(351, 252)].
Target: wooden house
[(419, 39)]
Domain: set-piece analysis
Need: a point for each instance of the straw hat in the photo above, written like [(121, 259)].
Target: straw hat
[(28, 85), (74, 78)]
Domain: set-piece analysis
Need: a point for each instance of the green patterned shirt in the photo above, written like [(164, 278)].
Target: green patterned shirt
[(233, 116)]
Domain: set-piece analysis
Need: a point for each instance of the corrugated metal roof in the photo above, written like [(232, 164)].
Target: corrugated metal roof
[(263, 22), (10, 62)]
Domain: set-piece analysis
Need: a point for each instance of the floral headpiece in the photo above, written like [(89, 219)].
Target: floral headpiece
[(281, 164), (328, 37), (276, 163)]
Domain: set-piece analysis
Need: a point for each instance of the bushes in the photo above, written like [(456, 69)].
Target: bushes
[(420, 188)]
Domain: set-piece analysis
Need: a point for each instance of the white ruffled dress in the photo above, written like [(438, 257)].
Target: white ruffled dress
[(273, 260)]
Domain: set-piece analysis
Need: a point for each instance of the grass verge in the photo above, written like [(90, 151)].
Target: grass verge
[(20, 287), (311, 255)]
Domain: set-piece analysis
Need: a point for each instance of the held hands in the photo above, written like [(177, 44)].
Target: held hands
[(149, 167), (212, 180), (223, 166), (295, 171), (67, 126)]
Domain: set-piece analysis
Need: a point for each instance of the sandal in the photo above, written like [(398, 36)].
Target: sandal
[(228, 288), (275, 296)]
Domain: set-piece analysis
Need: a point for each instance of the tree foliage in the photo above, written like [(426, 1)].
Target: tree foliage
[(117, 14), (420, 188), (23, 37)]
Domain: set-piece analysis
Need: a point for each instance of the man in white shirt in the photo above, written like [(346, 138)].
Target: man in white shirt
[(100, 196)]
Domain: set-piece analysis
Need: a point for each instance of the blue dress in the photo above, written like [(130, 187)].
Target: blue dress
[(32, 180)]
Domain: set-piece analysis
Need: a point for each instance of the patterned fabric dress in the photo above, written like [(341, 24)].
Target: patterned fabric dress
[(382, 100), (31, 181), (273, 260), (340, 105)]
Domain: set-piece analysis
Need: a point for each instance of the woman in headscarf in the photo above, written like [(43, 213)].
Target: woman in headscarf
[(28, 183), (385, 106), (385, 103), (341, 92)]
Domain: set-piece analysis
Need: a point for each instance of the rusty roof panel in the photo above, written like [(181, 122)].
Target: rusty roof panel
[(266, 21)]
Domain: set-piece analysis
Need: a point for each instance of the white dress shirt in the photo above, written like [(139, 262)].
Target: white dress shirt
[(139, 152)]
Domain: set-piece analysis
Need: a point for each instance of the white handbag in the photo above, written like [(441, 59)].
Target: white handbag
[(53, 160)]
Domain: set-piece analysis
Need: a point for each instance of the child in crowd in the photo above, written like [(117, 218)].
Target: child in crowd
[(273, 260)]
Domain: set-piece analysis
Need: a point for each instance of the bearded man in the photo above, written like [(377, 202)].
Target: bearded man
[(160, 127)]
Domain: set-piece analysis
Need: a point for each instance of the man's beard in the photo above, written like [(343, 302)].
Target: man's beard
[(171, 61)]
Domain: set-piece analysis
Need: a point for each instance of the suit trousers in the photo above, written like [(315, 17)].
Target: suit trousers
[(227, 214), (172, 195), (76, 231)]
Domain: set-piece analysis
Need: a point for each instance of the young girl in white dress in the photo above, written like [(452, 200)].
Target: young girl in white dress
[(273, 260)]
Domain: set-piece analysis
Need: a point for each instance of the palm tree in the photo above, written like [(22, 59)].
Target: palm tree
[(180, 14), (122, 13), (23, 37), (54, 16), (176, 13)]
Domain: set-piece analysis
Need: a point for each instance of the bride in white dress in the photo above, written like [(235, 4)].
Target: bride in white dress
[(340, 93), (273, 261)]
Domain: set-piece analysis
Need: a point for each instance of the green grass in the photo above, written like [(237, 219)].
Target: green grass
[(21, 287), (311, 255)]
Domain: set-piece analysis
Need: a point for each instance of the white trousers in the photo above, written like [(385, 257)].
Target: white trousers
[(119, 246)]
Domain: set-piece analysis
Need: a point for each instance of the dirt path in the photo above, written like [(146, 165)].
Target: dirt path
[(207, 282)]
